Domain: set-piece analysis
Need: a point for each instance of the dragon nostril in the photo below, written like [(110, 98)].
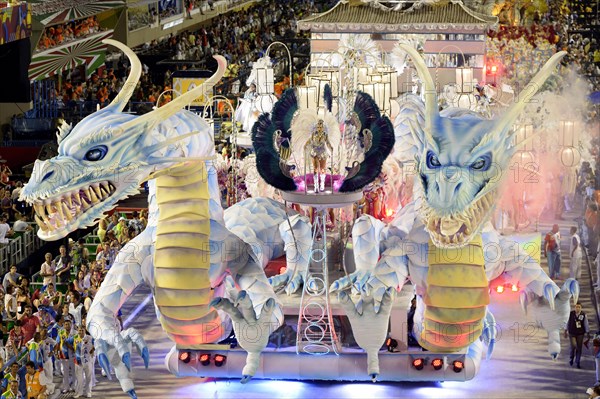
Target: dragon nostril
[(48, 175)]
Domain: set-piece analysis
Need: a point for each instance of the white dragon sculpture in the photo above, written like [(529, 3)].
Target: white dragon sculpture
[(205, 265)]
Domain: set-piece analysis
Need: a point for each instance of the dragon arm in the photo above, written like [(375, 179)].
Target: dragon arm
[(125, 275), (251, 303), (297, 236), (553, 313), (519, 266), (365, 240), (255, 312)]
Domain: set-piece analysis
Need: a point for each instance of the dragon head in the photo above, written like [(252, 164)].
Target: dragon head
[(461, 159), (107, 155)]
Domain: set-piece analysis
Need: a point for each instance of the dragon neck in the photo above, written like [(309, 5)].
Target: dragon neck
[(182, 256), (457, 297)]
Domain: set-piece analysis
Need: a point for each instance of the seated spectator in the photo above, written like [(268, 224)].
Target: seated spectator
[(80, 283), (63, 264), (106, 256), (6, 204), (11, 278), (48, 271), (144, 218), (12, 375), (10, 304), (80, 254), (64, 311), (135, 223), (30, 323), (114, 220), (10, 349), (51, 295), (23, 300), (5, 174), (119, 229), (21, 225), (5, 230), (95, 282), (16, 191), (16, 336), (12, 391)]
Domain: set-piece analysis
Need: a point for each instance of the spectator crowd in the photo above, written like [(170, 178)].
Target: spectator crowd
[(43, 324)]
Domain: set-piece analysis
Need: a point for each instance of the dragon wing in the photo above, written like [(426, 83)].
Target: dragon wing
[(379, 131)]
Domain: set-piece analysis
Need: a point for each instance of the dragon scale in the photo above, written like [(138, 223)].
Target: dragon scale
[(456, 298)]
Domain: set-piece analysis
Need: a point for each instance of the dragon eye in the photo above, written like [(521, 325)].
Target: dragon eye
[(96, 153), (432, 161), (482, 163)]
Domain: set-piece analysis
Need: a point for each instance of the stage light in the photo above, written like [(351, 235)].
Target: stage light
[(205, 359), (437, 364), (391, 344), (282, 269), (418, 363), (458, 366), (514, 288), (185, 357), (494, 69), (500, 289), (220, 360)]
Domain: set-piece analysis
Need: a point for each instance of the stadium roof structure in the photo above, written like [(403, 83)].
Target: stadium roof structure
[(375, 16)]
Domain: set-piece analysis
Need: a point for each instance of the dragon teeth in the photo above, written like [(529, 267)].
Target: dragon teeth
[(57, 206), (41, 223), (93, 196), (57, 212), (39, 208), (96, 190), (67, 212)]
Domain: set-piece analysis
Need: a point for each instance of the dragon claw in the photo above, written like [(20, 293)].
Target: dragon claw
[(104, 363), (132, 394), (550, 291), (127, 360), (374, 377), (146, 357), (245, 379), (524, 301), (572, 287), (489, 333)]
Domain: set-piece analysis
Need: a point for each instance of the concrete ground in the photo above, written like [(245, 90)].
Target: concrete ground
[(519, 368)]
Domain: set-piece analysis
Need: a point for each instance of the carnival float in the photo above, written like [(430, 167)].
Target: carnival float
[(338, 309)]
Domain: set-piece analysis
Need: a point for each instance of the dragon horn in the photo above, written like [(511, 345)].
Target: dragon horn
[(164, 112), (431, 100), (507, 120), (132, 80)]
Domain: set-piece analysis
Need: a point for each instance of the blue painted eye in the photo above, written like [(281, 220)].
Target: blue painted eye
[(432, 160), (96, 153), (482, 163)]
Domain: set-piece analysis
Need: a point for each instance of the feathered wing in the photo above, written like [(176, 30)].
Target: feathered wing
[(283, 112), (268, 161), (366, 109), (399, 59), (382, 142), (328, 97)]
